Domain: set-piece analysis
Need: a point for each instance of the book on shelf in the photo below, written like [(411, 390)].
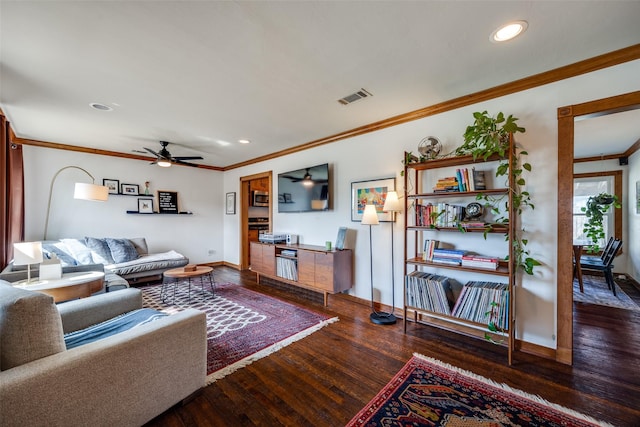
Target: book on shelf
[(447, 261), (465, 180), (476, 299), (427, 249), (449, 253), (431, 292), (479, 180)]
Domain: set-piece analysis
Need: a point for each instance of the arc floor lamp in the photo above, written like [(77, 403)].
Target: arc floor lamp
[(82, 191)]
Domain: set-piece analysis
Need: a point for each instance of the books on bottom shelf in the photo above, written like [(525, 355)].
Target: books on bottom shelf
[(479, 261), (286, 268), (431, 292), (475, 303)]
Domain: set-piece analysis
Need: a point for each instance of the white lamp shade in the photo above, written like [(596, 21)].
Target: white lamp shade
[(370, 216), (25, 253), (391, 203), (163, 163), (84, 191)]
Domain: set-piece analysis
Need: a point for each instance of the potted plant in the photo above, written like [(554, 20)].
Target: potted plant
[(595, 209), (487, 136)]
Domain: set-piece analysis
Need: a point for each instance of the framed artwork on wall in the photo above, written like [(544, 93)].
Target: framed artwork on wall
[(112, 184), (371, 192), (130, 189), (231, 204), (145, 206)]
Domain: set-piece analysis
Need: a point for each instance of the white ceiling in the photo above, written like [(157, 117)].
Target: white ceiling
[(199, 72)]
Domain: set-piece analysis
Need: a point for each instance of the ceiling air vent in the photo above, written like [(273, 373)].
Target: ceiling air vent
[(362, 93)]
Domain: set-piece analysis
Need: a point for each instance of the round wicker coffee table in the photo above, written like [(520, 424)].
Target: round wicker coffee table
[(177, 274)]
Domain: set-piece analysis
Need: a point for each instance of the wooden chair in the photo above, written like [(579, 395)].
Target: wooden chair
[(601, 257), (605, 264)]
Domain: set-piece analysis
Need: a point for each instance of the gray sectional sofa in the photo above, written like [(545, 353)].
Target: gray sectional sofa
[(125, 379), (127, 259)]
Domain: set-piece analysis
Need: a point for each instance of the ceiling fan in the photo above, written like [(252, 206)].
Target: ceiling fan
[(165, 159), (307, 179)]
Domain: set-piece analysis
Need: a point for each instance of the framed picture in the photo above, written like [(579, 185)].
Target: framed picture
[(372, 192), (168, 202), (112, 184), (145, 206), (231, 204), (130, 189)]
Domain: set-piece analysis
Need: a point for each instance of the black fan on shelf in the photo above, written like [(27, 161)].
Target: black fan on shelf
[(165, 159)]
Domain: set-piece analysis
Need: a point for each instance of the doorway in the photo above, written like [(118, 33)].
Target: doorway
[(566, 119), (255, 212)]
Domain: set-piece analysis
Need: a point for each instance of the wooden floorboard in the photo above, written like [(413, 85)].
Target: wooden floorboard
[(327, 377)]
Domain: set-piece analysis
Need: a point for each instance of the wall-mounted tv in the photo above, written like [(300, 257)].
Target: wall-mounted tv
[(304, 190)]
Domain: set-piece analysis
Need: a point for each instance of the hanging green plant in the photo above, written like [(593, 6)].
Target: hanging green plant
[(486, 137), (597, 207)]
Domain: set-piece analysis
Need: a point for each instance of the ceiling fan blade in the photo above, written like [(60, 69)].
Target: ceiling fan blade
[(151, 151), (188, 158)]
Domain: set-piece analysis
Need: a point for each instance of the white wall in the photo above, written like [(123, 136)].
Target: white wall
[(199, 191), (370, 156), (632, 208)]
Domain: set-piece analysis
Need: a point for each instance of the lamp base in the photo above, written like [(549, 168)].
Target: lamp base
[(381, 318)]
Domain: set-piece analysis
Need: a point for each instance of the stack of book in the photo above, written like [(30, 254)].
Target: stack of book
[(475, 303), (465, 180), (439, 215), (431, 292), (427, 249), (447, 256), (479, 261)]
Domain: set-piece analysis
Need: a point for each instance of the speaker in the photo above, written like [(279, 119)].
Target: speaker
[(292, 239), (623, 160)]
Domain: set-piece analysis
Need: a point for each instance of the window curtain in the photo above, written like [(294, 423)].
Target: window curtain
[(12, 188)]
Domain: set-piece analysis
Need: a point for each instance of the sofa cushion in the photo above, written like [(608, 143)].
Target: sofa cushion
[(79, 250), (122, 250), (30, 326), (100, 251), (61, 252)]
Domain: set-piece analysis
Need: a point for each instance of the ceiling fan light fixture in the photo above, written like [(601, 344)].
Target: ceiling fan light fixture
[(509, 31), (164, 163)]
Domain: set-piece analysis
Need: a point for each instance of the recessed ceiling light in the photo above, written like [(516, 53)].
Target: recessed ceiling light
[(509, 31), (244, 141), (101, 107)]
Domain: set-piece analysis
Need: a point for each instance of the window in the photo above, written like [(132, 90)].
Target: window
[(586, 185)]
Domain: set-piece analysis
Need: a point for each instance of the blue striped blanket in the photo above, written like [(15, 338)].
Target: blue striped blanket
[(110, 327)]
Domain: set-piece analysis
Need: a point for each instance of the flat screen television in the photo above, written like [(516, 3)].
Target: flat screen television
[(304, 190)]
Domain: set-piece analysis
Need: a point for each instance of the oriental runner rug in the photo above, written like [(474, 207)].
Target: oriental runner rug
[(428, 392), (242, 325)]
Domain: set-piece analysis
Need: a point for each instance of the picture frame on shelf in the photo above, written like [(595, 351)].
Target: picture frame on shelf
[(130, 189), (145, 206), (112, 184), (231, 203), (373, 192), (168, 202)]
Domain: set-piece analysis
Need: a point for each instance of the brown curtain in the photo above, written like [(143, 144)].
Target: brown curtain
[(12, 189)]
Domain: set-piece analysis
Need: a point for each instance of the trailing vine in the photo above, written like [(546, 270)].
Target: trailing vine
[(489, 136), (596, 207)]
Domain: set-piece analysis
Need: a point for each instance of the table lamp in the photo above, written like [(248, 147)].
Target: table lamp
[(27, 253)]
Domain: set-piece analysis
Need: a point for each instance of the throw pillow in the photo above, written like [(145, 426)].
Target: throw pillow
[(122, 250), (140, 243), (30, 326), (100, 252), (60, 250), (79, 251)]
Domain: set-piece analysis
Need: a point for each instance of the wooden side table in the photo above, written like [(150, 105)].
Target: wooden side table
[(69, 286), (178, 273)]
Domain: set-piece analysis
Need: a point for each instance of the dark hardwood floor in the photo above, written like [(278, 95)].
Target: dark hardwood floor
[(326, 378)]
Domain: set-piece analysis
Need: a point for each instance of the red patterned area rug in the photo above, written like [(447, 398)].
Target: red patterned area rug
[(242, 325), (428, 392)]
